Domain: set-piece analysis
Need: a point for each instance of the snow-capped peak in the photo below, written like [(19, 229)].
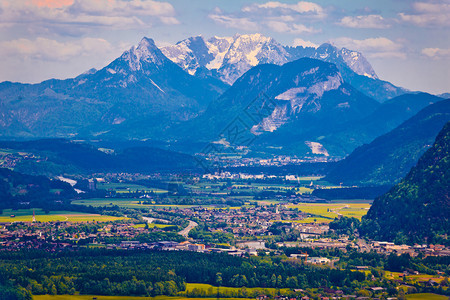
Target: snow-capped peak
[(244, 52), (358, 63), (146, 51), (230, 57), (190, 54), (88, 72)]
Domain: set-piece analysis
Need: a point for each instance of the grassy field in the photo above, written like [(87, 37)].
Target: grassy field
[(90, 297), (26, 215), (126, 203), (426, 296), (304, 190), (128, 188), (257, 187), (347, 201), (424, 277), (134, 203), (326, 212), (152, 225), (213, 289), (310, 178), (414, 278)]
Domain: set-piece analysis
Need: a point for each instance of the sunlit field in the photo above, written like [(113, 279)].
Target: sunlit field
[(26, 215)]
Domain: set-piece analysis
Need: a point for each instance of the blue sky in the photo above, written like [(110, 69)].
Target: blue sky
[(407, 42)]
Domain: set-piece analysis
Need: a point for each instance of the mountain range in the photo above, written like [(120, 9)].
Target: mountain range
[(228, 58), (140, 88), (180, 94), (282, 107)]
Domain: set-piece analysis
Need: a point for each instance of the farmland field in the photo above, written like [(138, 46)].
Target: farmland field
[(26, 215), (152, 225), (126, 203), (426, 296), (128, 188), (326, 212), (212, 290), (90, 297)]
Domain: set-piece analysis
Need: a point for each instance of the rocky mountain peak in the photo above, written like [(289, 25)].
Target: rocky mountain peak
[(146, 52), (358, 63)]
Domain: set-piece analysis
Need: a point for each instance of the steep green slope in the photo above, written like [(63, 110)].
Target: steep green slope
[(417, 208), (389, 157), (385, 118), (59, 156)]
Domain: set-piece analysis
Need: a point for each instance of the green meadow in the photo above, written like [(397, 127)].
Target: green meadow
[(128, 188), (26, 215), (426, 296)]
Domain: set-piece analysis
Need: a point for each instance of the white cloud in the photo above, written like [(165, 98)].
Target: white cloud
[(436, 53), (303, 43), (281, 18), (124, 8), (293, 28), (234, 22), (380, 47), (52, 15), (275, 16), (301, 7), (428, 14), (51, 50), (369, 21)]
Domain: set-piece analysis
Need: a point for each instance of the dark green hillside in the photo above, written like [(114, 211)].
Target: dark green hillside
[(59, 156), (389, 157), (385, 118), (20, 190), (417, 208)]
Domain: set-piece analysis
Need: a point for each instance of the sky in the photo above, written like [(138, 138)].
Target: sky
[(406, 41)]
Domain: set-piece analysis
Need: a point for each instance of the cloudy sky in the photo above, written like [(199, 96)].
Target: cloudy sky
[(406, 41)]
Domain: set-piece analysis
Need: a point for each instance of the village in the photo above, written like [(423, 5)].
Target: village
[(240, 231)]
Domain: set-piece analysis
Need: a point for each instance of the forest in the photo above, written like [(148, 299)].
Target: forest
[(105, 272), (418, 208), (151, 273)]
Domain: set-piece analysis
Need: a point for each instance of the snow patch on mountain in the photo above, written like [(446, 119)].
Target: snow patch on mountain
[(247, 51), (317, 148), (156, 85), (291, 94), (309, 72), (332, 83), (358, 63), (183, 55), (271, 123), (82, 81), (218, 47), (118, 120)]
